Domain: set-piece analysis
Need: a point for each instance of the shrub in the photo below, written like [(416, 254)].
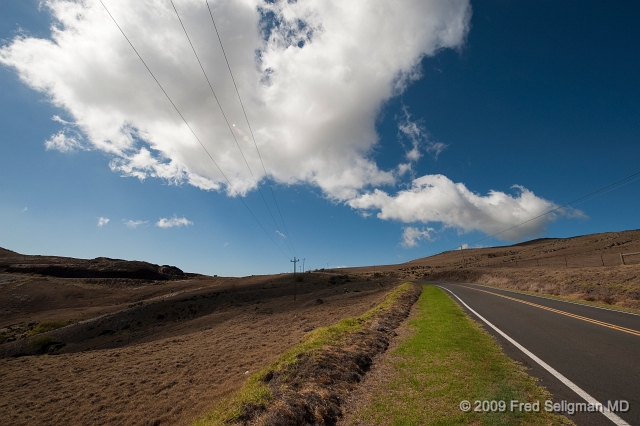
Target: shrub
[(45, 326), (42, 343)]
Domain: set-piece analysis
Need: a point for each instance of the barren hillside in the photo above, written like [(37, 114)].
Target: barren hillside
[(142, 351), (588, 267)]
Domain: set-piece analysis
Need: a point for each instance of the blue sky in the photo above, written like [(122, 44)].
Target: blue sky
[(401, 143)]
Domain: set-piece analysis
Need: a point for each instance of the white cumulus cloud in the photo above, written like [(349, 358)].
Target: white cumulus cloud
[(435, 198), (102, 221), (313, 75), (173, 222)]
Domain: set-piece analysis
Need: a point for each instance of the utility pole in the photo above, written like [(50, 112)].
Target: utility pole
[(294, 277), (463, 261), (303, 259)]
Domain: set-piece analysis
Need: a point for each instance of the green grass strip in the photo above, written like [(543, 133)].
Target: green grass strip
[(446, 359), (256, 391)]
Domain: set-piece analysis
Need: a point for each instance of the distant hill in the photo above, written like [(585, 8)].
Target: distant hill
[(584, 250), (7, 253), (100, 267)]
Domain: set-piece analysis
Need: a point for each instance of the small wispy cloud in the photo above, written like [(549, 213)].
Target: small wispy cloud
[(102, 221), (66, 140), (24, 210), (413, 131), (133, 224), (466, 246), (225, 244), (281, 234), (62, 142), (412, 235), (60, 120), (173, 222), (419, 137), (435, 148), (403, 168)]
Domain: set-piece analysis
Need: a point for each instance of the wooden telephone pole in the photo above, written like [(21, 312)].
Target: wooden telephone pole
[(294, 277)]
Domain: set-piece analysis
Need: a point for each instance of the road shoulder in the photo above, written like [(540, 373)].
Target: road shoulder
[(440, 358)]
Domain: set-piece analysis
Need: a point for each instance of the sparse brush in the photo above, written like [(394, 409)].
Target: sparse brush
[(42, 342), (45, 326)]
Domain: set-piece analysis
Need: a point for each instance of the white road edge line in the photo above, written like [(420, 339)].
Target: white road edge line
[(550, 298), (591, 400)]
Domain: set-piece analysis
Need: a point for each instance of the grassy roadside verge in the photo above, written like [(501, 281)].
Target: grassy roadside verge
[(312, 369), (446, 359)]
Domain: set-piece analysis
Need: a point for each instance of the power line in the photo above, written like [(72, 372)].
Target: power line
[(249, 125), (223, 114), (567, 204), (612, 189), (190, 128)]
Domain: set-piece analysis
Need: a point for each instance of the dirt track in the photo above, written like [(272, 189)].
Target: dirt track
[(189, 348)]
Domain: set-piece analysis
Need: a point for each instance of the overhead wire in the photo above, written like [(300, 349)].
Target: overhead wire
[(250, 129), (605, 192), (190, 128), (225, 117)]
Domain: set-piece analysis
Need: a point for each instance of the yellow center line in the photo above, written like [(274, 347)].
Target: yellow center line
[(604, 324)]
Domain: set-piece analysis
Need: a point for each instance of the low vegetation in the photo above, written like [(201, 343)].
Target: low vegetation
[(45, 326), (446, 359), (258, 390), (41, 344)]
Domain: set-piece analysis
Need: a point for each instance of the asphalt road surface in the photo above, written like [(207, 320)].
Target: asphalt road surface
[(597, 350)]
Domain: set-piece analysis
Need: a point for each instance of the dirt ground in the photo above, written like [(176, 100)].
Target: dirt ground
[(159, 352)]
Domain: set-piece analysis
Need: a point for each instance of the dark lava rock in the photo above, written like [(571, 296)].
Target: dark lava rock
[(100, 267)]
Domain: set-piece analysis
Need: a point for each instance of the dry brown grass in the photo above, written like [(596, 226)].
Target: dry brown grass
[(616, 286), (567, 267), (169, 370)]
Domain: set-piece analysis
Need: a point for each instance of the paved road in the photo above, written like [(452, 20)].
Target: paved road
[(596, 349)]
